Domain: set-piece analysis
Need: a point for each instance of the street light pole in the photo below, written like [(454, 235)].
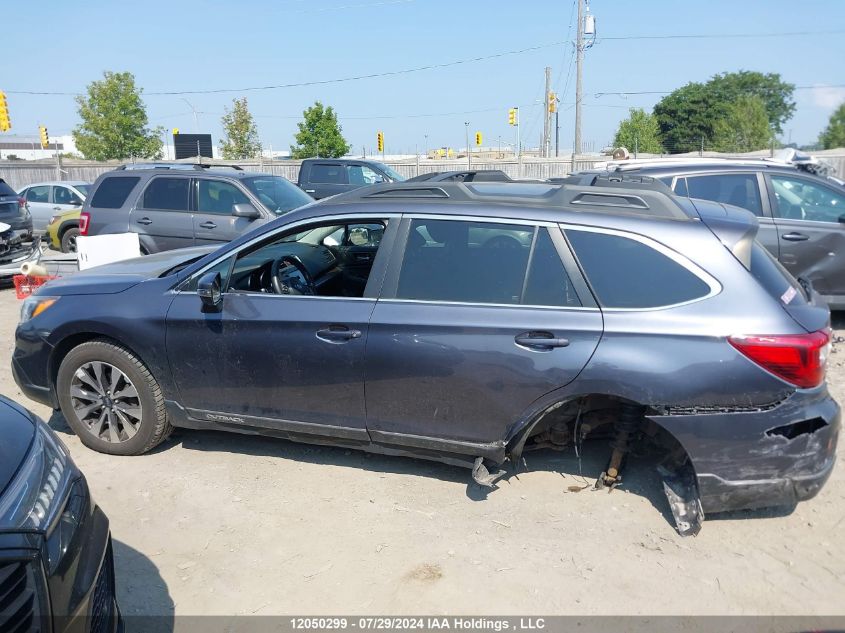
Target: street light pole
[(194, 110)]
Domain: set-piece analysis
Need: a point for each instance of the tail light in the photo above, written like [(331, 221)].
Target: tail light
[(796, 358), (22, 203), (84, 221)]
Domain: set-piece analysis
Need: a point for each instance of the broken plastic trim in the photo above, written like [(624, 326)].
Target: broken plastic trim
[(791, 431), (484, 477), (682, 493)]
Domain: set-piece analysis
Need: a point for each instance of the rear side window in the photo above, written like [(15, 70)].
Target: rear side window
[(774, 277), (483, 262), (38, 194), (328, 174), (740, 190), (625, 273), (170, 194), (113, 191), (6, 190)]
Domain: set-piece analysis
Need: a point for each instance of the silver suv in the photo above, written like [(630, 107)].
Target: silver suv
[(181, 205)]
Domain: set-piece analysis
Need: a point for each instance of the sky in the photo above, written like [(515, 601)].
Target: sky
[(195, 45)]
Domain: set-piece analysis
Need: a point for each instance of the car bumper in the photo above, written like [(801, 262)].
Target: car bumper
[(78, 596), (11, 261), (754, 459)]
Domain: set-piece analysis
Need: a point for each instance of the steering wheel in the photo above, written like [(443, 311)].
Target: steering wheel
[(502, 242), (286, 282)]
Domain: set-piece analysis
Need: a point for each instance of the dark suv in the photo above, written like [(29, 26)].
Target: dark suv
[(181, 205), (801, 215), (466, 323), (324, 177)]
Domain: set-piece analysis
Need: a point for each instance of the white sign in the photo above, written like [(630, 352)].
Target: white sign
[(96, 250)]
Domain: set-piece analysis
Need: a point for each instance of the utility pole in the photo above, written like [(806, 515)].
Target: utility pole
[(469, 150), (557, 133), (547, 115), (196, 120), (579, 72)]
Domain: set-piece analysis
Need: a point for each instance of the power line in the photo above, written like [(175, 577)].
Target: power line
[(449, 64), (624, 93)]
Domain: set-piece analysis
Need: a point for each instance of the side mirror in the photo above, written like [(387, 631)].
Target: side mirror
[(208, 290), (245, 210), (379, 179)]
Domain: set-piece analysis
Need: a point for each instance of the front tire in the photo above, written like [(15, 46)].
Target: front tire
[(69, 240), (111, 400)]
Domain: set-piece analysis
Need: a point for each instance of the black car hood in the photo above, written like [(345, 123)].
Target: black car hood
[(120, 276), (17, 428)]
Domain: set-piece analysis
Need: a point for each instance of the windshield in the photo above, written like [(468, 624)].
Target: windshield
[(83, 189), (395, 176), (277, 194)]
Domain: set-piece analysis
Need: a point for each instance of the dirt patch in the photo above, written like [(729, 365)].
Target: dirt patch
[(428, 572)]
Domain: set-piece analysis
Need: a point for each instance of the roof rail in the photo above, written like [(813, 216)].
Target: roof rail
[(199, 166), (596, 194)]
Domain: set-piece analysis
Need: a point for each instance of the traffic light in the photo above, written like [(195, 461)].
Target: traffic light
[(552, 102), (380, 141), (5, 122), (478, 138), (512, 116), (45, 138)]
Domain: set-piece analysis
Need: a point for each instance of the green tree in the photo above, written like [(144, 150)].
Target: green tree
[(833, 135), (241, 133), (639, 132), (745, 127), (114, 121), (319, 134), (690, 114)]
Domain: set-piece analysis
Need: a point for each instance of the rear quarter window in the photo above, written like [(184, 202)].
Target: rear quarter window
[(113, 191), (626, 273)]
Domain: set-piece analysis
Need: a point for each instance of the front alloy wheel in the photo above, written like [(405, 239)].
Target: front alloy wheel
[(106, 402), (110, 399)]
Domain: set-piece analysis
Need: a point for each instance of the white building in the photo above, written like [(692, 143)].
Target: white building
[(29, 147)]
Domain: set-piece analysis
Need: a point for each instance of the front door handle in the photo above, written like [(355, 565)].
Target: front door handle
[(144, 221), (57, 208), (540, 340), (310, 191), (337, 334), (208, 225), (795, 237)]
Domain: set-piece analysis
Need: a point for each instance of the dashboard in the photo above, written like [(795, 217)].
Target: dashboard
[(253, 272)]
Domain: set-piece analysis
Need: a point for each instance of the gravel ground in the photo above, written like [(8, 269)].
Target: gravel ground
[(213, 523)]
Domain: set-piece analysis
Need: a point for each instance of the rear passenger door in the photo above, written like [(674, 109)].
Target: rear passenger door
[(327, 179), (476, 320), (740, 189), (213, 219), (162, 215), (38, 201)]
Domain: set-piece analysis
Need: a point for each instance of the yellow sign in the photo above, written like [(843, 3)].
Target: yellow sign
[(175, 131)]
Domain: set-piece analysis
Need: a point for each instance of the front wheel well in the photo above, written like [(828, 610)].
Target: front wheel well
[(70, 342), (67, 226)]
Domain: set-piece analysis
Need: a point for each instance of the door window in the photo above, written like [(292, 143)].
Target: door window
[(483, 262), (63, 195), (740, 190), (363, 175), (801, 199), (169, 194), (325, 260), (217, 196), (328, 174), (626, 273), (38, 194)]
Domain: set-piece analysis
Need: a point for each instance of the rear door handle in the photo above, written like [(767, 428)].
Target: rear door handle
[(795, 237), (310, 191), (144, 221), (540, 340), (337, 334), (208, 225)]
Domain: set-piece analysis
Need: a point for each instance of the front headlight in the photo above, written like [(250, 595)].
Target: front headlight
[(34, 305), (40, 487), (48, 494)]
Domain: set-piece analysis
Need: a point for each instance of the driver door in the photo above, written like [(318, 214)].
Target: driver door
[(289, 363)]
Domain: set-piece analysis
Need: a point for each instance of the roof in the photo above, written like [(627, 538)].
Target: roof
[(704, 164), (72, 183), (191, 169)]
